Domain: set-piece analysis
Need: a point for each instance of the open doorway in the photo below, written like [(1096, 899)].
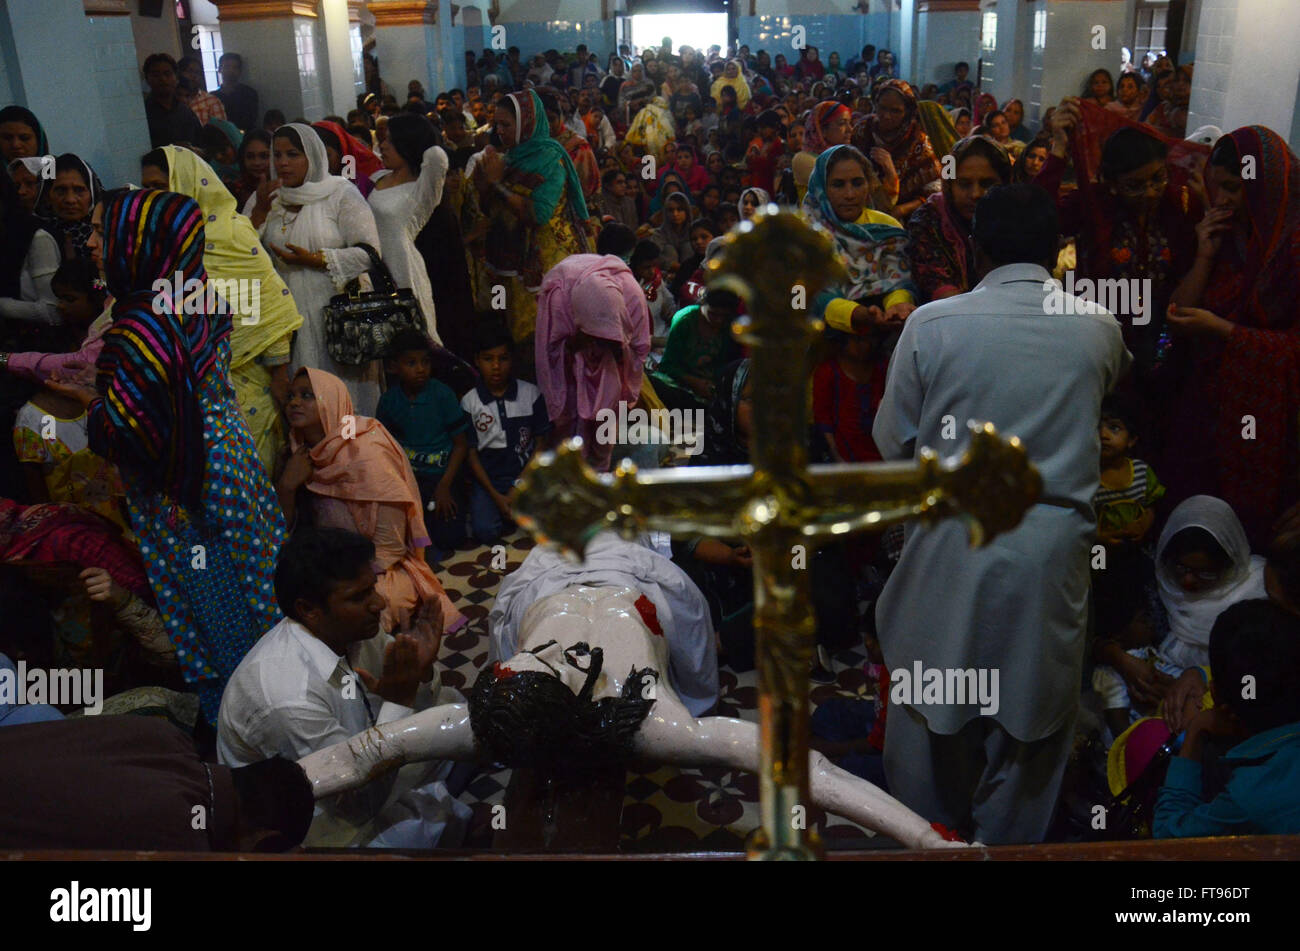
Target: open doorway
[(698, 30)]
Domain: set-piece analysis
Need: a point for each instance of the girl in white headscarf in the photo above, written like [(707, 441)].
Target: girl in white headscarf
[(1203, 565), (312, 223)]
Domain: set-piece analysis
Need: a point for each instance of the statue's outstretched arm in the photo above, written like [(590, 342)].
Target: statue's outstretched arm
[(441, 732), (725, 741)]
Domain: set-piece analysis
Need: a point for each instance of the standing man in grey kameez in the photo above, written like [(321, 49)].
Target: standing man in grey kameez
[(1037, 367)]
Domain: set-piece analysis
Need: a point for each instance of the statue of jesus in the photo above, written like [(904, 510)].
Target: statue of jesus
[(601, 650)]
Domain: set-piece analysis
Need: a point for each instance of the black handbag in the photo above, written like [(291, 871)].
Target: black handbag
[(359, 326)]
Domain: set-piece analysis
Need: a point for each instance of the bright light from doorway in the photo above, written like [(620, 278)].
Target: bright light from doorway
[(698, 30)]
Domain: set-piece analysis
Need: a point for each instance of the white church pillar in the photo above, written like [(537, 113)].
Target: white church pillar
[(407, 43), (1078, 36), (106, 87), (1247, 66), (284, 48)]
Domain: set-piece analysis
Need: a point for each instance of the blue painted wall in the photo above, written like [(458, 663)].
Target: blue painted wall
[(59, 32), (843, 34)]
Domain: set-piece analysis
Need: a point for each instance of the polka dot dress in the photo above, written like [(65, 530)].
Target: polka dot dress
[(212, 571)]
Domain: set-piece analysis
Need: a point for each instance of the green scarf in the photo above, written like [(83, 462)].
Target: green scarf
[(537, 154)]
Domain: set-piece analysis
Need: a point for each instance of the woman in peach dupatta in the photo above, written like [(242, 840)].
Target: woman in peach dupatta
[(356, 477)]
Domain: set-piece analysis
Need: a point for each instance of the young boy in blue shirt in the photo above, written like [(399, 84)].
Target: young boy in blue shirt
[(424, 416), (1255, 663), (508, 416)]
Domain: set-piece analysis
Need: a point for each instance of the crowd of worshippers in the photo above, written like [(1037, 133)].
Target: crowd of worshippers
[(188, 500)]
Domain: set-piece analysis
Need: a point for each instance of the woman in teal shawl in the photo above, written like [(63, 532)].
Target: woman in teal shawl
[(871, 245), (533, 201)]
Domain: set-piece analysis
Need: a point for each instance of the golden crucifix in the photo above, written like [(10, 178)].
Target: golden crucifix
[(778, 505)]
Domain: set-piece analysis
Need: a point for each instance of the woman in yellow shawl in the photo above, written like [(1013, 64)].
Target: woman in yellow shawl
[(733, 77), (937, 125), (264, 314), (652, 128)]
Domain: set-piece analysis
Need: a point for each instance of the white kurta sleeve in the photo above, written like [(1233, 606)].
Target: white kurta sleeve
[(356, 223), (428, 189), (40, 305), (899, 415)]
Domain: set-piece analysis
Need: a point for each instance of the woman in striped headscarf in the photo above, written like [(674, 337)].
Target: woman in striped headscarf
[(165, 413)]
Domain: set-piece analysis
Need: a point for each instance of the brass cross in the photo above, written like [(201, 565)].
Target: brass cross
[(779, 506)]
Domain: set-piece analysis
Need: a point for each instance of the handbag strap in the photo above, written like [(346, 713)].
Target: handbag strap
[(378, 269)]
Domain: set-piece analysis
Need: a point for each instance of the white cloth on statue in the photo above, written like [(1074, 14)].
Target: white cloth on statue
[(1018, 605), (401, 212), (610, 561), (292, 695), (333, 218), (1192, 614)]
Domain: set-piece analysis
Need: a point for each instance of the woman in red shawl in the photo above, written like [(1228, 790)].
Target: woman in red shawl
[(828, 123), (579, 149), (984, 104), (686, 163), (1239, 308), (356, 160), (1132, 215), (810, 67), (939, 241), (895, 126)]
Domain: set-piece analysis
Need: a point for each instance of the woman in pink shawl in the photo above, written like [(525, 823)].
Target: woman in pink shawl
[(593, 334), (351, 473)]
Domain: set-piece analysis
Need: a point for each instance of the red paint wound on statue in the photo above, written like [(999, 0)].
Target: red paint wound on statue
[(948, 834), (646, 608), (502, 672)]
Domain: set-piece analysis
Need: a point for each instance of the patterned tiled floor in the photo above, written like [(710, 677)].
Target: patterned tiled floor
[(665, 809)]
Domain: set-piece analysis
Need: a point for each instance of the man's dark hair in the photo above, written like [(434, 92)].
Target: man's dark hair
[(609, 175), (273, 117), (212, 141), (1128, 149), (1224, 155), (725, 208), (1124, 408), (769, 119), (412, 136), (153, 59), (156, 159), (329, 140), (1256, 639), (550, 101), (646, 250), (274, 795), (533, 720), (313, 561), (1017, 224), (1284, 557), (615, 239), (491, 333), (960, 65), (231, 56), (407, 340)]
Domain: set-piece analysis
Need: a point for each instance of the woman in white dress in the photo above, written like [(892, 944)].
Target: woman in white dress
[(406, 193), (312, 223), (29, 256)]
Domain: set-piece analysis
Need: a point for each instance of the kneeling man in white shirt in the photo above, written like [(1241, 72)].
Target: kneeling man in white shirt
[(298, 691)]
